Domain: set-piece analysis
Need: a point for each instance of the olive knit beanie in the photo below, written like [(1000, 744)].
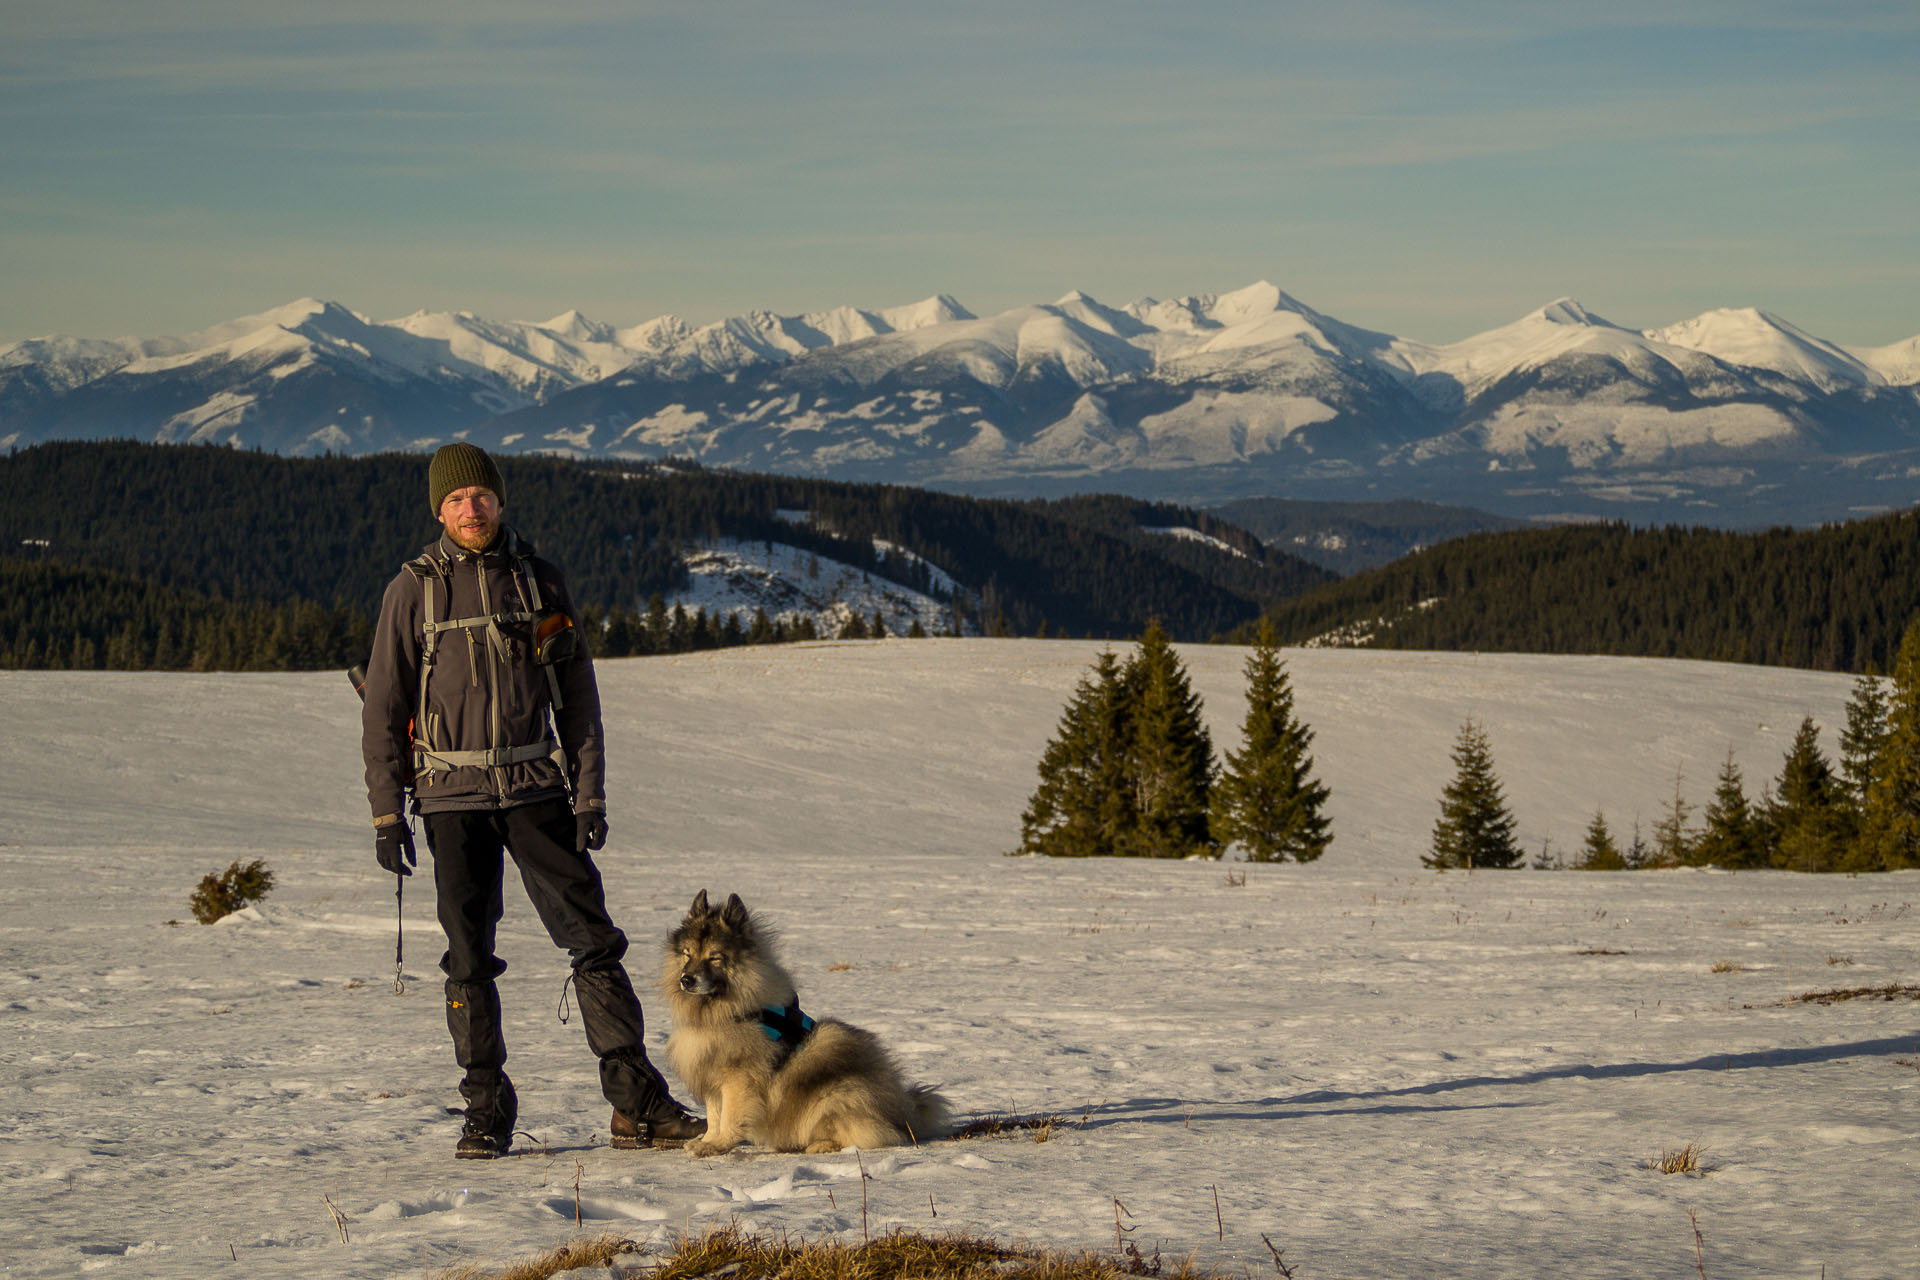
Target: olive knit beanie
[(458, 466)]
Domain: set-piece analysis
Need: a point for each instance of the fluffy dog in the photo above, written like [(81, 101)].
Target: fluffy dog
[(766, 1072)]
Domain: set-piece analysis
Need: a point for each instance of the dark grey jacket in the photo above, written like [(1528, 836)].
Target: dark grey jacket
[(484, 691)]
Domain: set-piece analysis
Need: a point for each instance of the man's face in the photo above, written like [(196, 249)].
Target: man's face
[(471, 516)]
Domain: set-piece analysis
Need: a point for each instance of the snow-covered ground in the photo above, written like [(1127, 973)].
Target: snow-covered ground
[(1384, 1071)]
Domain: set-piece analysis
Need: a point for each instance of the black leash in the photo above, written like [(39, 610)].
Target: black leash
[(399, 932)]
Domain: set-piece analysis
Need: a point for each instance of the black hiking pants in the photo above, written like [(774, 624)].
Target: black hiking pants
[(469, 850)]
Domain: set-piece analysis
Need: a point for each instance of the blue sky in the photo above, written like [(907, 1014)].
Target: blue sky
[(1430, 169)]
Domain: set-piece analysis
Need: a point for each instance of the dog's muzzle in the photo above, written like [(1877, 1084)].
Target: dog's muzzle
[(696, 983)]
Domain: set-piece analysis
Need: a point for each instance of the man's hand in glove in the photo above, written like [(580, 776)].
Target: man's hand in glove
[(589, 830), (393, 848)]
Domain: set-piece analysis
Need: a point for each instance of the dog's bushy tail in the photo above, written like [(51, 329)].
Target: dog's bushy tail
[(932, 1116)]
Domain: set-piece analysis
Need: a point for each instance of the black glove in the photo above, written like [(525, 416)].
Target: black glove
[(589, 830), (393, 848)]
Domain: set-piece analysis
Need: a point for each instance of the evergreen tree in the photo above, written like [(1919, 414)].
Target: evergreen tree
[(659, 626), (1475, 829), (1809, 826), (1266, 799), (1672, 846), (1864, 738), (1171, 764), (1636, 855), (1891, 839), (1598, 852), (1083, 806), (1732, 837)]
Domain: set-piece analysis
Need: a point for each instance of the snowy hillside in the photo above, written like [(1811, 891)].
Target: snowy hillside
[(1383, 1071), (1735, 416), (789, 584)]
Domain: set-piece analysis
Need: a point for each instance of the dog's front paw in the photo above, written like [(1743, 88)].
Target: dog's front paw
[(701, 1148)]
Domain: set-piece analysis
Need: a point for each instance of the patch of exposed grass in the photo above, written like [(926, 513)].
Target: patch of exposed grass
[(1728, 967), (1890, 991), (1690, 1160), (600, 1251), (894, 1256), (1598, 951), (1039, 1128), (1839, 959)]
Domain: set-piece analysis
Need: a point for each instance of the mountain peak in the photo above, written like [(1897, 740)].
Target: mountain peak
[(571, 324), (1257, 299), (941, 308), (1568, 311), (1750, 336)]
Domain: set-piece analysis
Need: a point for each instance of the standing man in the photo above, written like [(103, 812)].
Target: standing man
[(477, 662)]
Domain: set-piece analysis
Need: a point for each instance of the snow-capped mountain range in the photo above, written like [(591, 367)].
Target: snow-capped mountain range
[(1733, 416)]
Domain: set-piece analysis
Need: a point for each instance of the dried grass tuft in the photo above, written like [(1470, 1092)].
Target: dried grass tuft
[(1039, 1128), (1688, 1160), (597, 1252), (741, 1256), (1890, 991)]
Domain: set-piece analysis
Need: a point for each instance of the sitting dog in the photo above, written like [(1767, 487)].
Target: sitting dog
[(766, 1072)]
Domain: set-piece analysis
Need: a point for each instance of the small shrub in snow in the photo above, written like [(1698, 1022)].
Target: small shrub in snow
[(232, 889)]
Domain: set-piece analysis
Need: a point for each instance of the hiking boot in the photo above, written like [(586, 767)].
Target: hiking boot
[(482, 1142), (670, 1129)]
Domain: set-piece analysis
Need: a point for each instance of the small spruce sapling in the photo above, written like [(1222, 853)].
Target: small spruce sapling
[(1864, 739), (1892, 825), (1171, 765), (1732, 836), (1810, 827), (1083, 807), (1475, 828), (236, 887), (1598, 851), (1266, 799), (1672, 846)]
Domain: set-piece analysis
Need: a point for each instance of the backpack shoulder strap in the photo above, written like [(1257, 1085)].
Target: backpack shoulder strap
[(428, 569)]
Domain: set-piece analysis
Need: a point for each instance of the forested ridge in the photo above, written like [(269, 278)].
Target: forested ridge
[(173, 533), (1836, 598)]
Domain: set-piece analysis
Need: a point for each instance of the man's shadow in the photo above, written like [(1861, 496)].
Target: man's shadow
[(1322, 1102)]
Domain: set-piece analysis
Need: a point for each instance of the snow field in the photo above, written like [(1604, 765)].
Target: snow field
[(1385, 1071)]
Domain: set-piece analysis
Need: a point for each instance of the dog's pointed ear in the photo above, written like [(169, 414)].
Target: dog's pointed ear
[(700, 907), (734, 913)]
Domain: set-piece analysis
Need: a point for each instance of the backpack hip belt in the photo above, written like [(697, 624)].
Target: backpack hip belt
[(425, 758)]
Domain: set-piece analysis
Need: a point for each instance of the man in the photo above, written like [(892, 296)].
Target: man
[(476, 664)]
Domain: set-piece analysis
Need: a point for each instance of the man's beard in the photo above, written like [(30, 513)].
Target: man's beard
[(477, 539)]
